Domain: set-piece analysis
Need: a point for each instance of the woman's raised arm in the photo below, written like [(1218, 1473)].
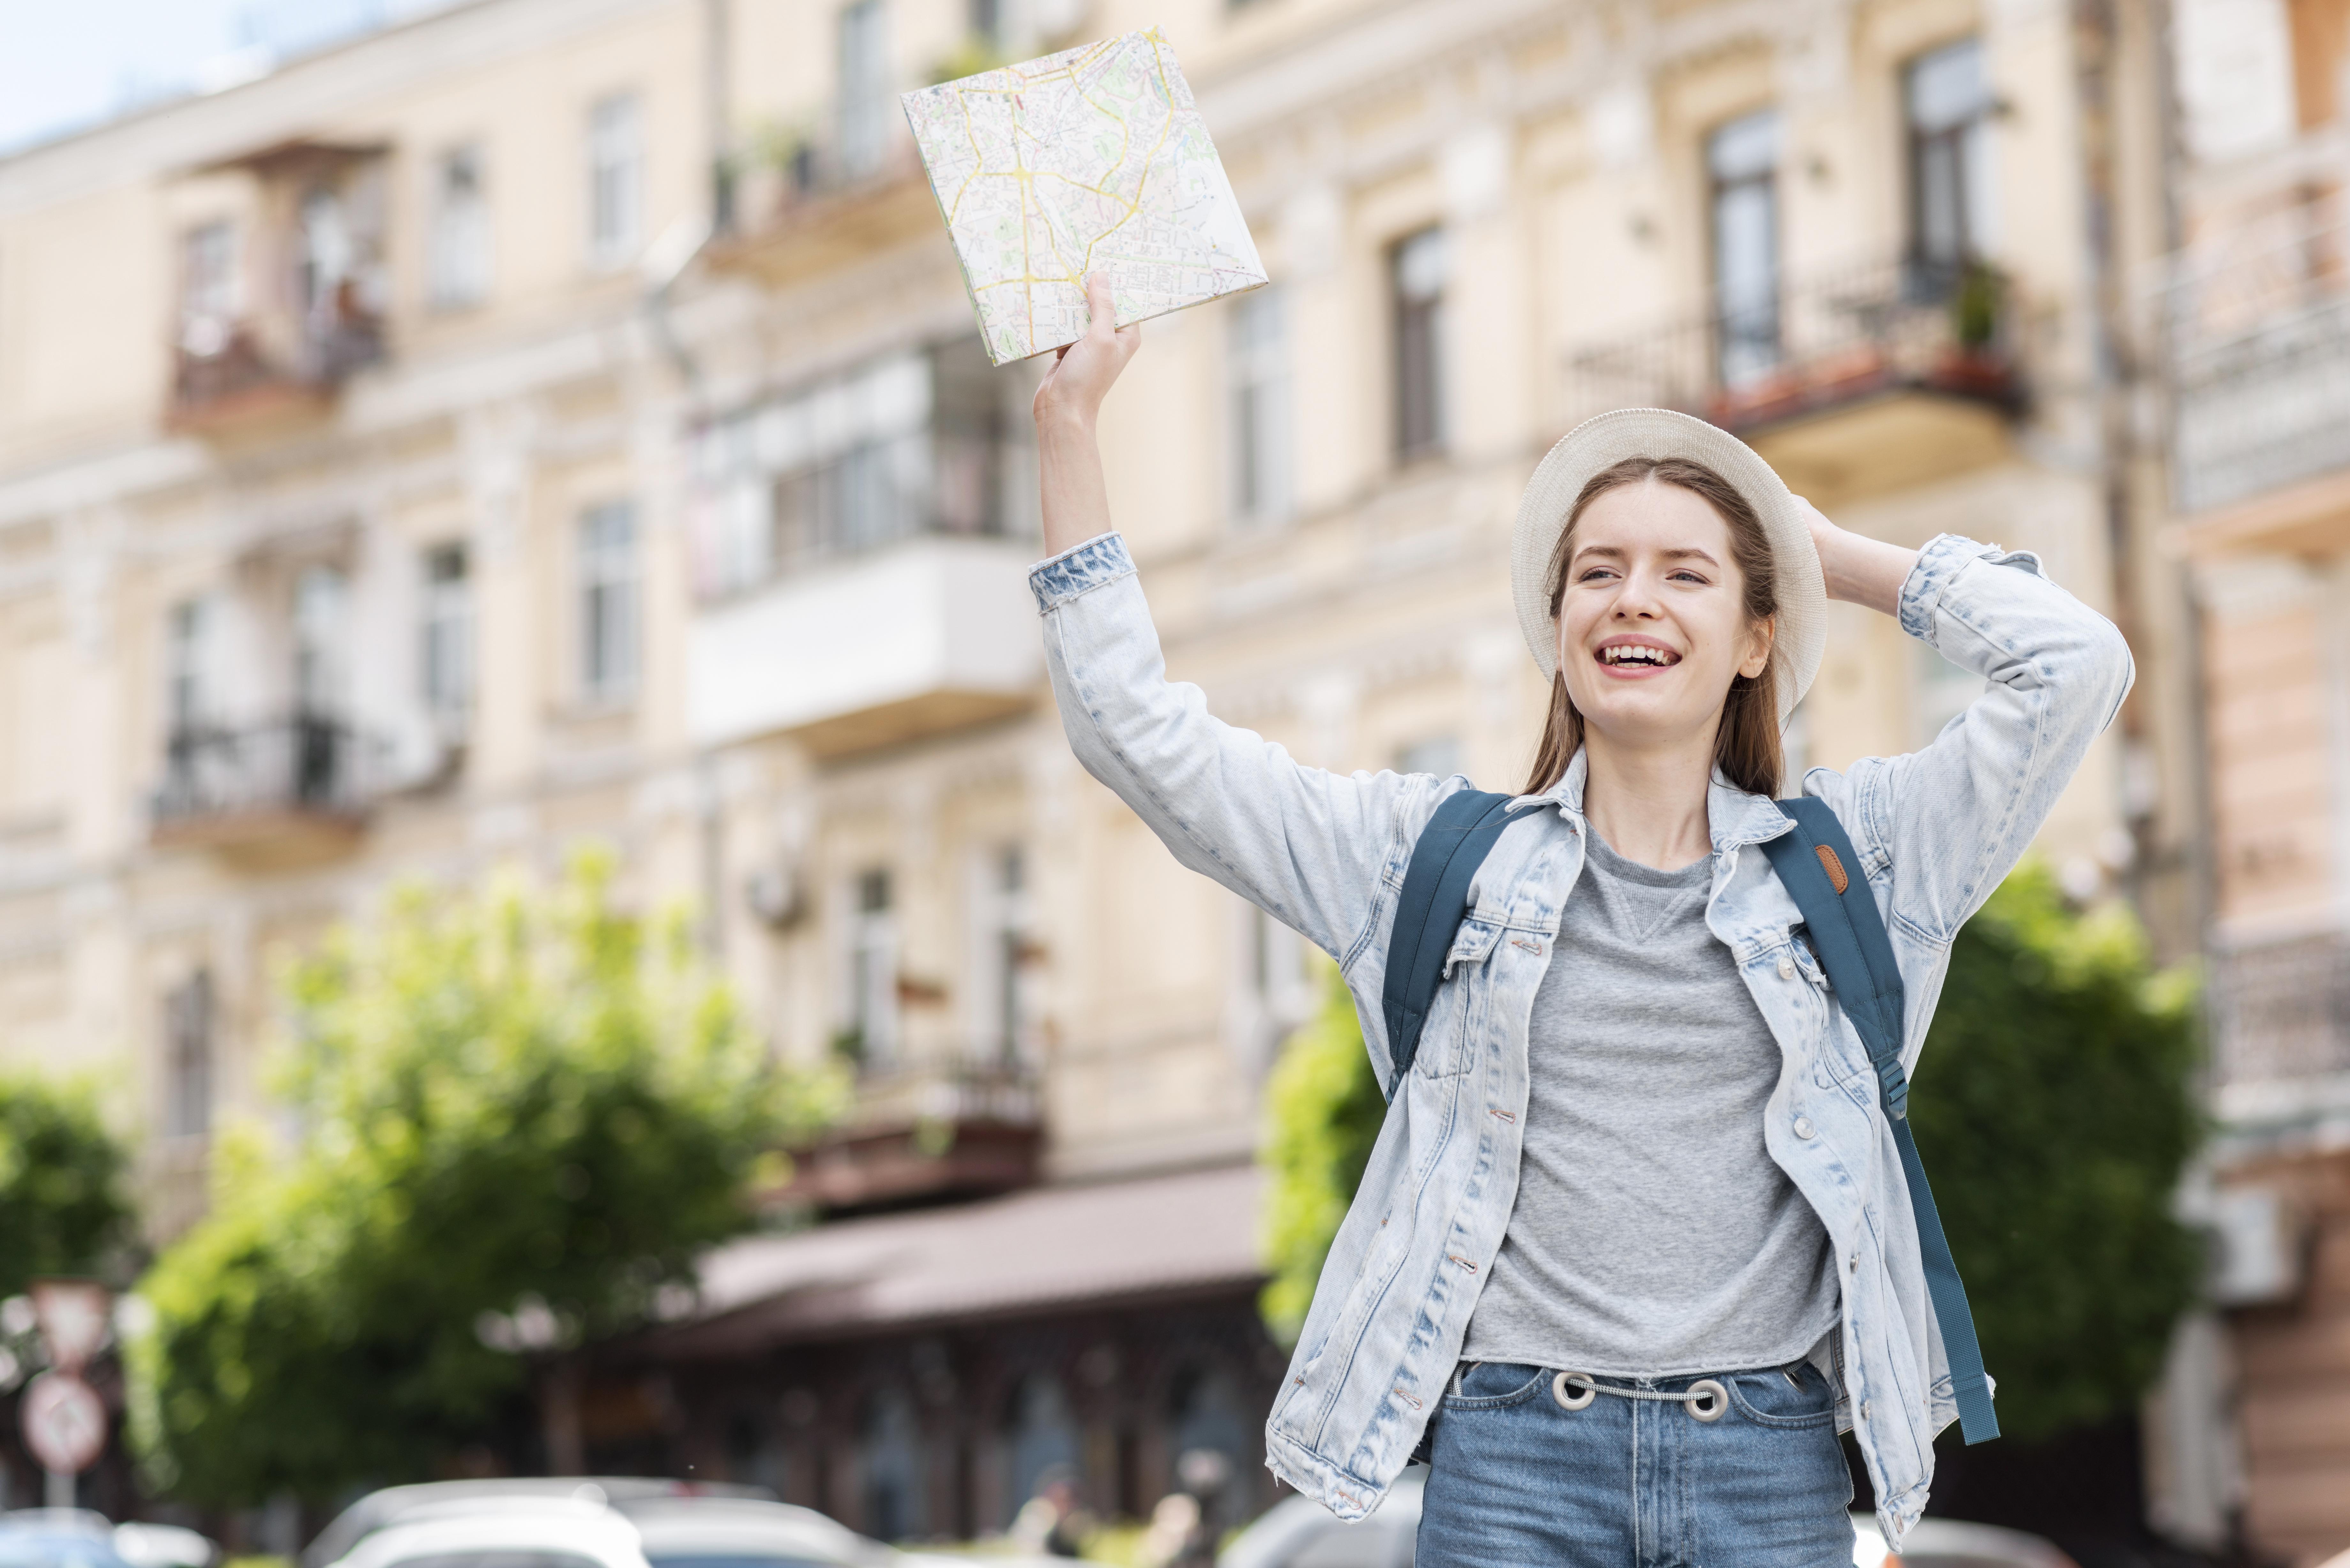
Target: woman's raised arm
[(1074, 499)]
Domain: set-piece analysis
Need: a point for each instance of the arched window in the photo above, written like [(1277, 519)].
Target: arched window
[(1205, 1415), (1040, 1437), (893, 1468)]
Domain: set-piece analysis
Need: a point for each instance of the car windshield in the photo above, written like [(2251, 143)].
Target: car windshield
[(36, 1549)]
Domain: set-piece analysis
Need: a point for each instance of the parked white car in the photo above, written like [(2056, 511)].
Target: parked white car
[(533, 1533), (1298, 1532), (1955, 1543)]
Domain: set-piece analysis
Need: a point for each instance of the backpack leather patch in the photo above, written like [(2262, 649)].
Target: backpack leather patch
[(1834, 868)]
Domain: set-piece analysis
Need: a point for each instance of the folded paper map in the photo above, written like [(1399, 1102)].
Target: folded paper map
[(1092, 158)]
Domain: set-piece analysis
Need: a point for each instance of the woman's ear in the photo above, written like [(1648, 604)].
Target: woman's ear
[(1760, 637)]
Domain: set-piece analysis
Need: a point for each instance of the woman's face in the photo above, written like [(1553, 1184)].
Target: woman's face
[(1652, 623)]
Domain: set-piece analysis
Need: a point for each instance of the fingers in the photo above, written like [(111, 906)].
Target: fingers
[(1101, 309)]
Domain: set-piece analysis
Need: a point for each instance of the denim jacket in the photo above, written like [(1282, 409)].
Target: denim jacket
[(1936, 830)]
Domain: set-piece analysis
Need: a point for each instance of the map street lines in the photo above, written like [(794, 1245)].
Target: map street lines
[(1092, 158)]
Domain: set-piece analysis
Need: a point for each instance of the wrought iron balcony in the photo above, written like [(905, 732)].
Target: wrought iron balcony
[(958, 1128), (2258, 319), (1844, 338), (2280, 1016), (286, 783)]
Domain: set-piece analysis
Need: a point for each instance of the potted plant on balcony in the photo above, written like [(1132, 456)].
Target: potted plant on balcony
[(1975, 361)]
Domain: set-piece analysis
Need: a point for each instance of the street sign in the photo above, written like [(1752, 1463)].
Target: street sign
[(74, 1316), (65, 1422)]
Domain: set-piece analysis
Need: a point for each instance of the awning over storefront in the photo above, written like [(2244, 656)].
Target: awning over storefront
[(1045, 1249)]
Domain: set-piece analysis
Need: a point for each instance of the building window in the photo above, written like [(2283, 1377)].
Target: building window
[(616, 158), (1000, 997), (1040, 1441), (865, 103), (608, 602), (448, 634), (1741, 162), (893, 1468), (211, 296), (189, 700), (1258, 358), (1418, 271), (870, 1036), (460, 259), (188, 1057), (321, 633), (987, 20), (1949, 105)]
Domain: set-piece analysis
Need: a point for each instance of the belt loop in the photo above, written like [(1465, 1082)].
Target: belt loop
[(1459, 1370)]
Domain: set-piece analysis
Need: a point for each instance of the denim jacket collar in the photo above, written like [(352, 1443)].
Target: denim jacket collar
[(1734, 817)]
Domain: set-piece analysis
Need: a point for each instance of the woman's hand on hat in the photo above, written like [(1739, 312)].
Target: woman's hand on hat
[(1858, 569), (1082, 372)]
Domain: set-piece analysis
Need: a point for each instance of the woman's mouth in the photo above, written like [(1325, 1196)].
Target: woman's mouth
[(1636, 658)]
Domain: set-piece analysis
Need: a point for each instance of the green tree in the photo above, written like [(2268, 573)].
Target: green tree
[(62, 1204), (1323, 1111), (511, 1107), (2053, 1111)]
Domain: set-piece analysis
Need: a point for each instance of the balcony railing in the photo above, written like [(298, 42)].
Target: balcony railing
[(2258, 319), (1855, 333), (919, 1134), (2281, 1012), (224, 370), (230, 783)]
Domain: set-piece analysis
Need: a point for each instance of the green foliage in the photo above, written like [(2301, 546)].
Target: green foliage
[(1323, 1112), (62, 1206), (2054, 1113), (2053, 1110), (511, 1106)]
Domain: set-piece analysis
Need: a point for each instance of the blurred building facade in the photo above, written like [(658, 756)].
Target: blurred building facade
[(2253, 309), (562, 418)]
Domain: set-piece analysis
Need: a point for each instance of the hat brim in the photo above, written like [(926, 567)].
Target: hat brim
[(1801, 630)]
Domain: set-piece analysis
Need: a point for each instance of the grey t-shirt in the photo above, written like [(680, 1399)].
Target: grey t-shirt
[(1653, 1235)]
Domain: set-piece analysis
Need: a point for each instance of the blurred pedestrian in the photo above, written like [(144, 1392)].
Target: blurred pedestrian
[(1053, 1520), (1642, 1230)]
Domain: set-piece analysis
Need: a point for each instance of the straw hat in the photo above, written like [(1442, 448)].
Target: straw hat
[(1601, 442)]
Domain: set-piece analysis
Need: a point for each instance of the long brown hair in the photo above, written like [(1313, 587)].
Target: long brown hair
[(1746, 744)]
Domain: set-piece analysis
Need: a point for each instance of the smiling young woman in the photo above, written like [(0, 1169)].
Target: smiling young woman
[(1634, 1243)]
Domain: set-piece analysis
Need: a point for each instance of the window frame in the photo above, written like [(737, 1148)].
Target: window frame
[(615, 179), (1417, 379), (608, 588), (1721, 189), (445, 642), (1260, 492), (461, 266)]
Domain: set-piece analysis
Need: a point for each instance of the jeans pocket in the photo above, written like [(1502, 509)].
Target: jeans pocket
[(1495, 1385), (1793, 1399)]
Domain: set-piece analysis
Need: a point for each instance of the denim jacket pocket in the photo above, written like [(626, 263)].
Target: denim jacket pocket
[(1444, 1041)]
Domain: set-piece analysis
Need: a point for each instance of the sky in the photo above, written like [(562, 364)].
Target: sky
[(67, 64)]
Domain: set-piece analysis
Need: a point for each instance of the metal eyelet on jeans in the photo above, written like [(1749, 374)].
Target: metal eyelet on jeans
[(1578, 1380), (1707, 1400)]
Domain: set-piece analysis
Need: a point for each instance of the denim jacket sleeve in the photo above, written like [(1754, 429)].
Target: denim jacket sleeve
[(1310, 847), (1950, 821)]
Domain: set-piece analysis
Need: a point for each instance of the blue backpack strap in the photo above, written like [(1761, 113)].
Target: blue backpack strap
[(1821, 872), (1429, 910)]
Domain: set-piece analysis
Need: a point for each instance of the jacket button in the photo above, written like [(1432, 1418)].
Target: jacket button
[(1864, 1409), (1804, 1126), (1787, 967)]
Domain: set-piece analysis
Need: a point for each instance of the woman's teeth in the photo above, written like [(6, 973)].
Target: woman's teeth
[(1653, 658)]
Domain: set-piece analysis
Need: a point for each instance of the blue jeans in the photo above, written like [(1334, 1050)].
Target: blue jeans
[(1520, 1481)]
